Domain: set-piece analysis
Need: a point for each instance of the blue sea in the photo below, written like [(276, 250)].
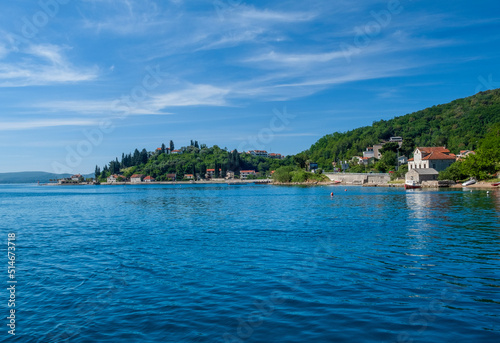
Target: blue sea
[(254, 263)]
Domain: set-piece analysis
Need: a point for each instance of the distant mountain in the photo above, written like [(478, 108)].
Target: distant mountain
[(32, 177), (458, 125)]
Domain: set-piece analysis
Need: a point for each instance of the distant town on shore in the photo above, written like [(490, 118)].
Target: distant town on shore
[(457, 141)]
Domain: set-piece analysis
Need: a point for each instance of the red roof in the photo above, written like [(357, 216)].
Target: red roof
[(436, 153), (411, 159), (209, 170), (149, 178), (428, 150), (189, 175), (439, 156), (247, 171), (136, 176)]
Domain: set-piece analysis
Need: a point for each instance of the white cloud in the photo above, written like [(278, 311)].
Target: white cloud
[(153, 104), (35, 124), (42, 65)]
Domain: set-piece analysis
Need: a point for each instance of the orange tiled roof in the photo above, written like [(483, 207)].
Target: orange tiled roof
[(439, 156), (428, 150)]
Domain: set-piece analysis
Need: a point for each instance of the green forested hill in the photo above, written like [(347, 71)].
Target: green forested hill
[(458, 125)]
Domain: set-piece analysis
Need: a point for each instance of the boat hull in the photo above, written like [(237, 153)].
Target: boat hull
[(495, 184), (412, 186)]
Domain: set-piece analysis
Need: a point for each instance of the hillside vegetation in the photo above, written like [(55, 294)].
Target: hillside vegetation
[(458, 125), (193, 159)]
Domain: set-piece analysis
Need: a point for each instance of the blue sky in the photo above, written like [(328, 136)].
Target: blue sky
[(83, 81)]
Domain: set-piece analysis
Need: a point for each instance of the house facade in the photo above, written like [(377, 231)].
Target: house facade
[(262, 153), (438, 158), (149, 179), (245, 173), (114, 178), (171, 177), (136, 178), (422, 174), (77, 178), (189, 176)]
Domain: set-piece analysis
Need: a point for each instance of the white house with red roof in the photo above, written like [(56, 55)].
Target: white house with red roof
[(438, 158), (149, 179), (114, 178), (245, 173), (136, 178)]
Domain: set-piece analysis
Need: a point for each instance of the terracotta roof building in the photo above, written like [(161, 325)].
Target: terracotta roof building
[(438, 158)]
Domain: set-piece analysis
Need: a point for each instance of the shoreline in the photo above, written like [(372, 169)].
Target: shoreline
[(479, 185)]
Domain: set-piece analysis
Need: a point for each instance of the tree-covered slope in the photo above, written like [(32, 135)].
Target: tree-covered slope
[(458, 125)]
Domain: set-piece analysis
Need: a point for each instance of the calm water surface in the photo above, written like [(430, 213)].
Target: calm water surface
[(252, 264)]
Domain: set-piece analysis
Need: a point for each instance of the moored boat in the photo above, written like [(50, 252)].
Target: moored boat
[(495, 184), (468, 183), (411, 184)]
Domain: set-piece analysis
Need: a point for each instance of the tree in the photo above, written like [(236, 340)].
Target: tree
[(300, 160), (391, 146), (163, 148), (143, 157), (196, 145), (283, 174), (387, 162), (407, 147), (172, 147), (97, 172), (136, 158)]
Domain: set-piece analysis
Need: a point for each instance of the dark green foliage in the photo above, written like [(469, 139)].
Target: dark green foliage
[(193, 159), (458, 125), (392, 146), (483, 165), (387, 162), (172, 147)]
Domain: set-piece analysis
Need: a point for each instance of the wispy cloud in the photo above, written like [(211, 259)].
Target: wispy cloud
[(159, 103), (41, 65), (36, 124)]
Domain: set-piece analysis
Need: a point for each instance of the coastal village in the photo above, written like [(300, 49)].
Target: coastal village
[(422, 169)]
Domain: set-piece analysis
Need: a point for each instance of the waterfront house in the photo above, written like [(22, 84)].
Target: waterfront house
[(114, 178), (230, 174), (422, 174), (244, 174), (189, 176), (77, 178), (210, 173), (171, 177), (149, 179), (136, 178), (176, 151), (438, 158)]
